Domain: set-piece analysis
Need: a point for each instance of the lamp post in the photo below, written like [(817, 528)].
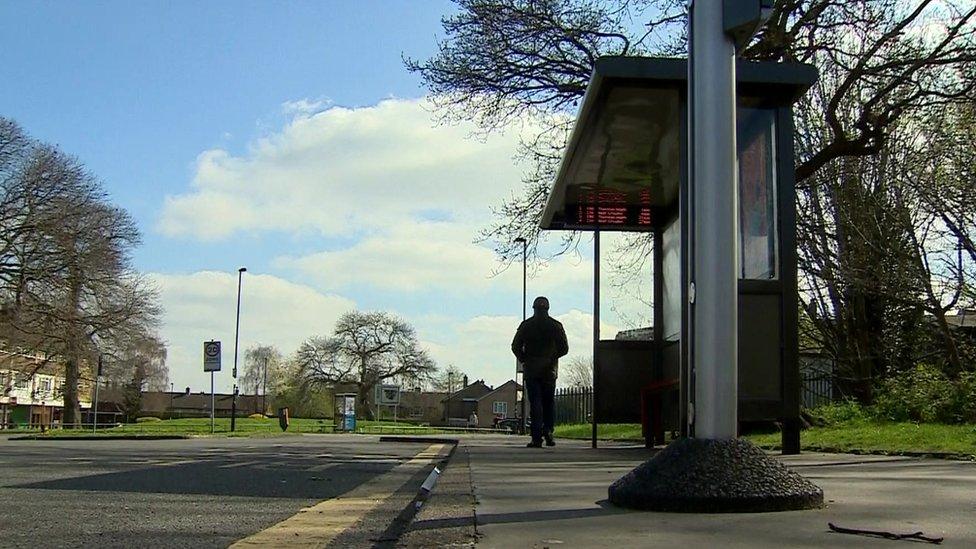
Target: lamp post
[(237, 329), (521, 428), (264, 390)]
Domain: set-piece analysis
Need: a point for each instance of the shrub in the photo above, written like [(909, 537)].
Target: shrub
[(923, 394), (965, 397), (257, 416), (147, 419), (834, 413)]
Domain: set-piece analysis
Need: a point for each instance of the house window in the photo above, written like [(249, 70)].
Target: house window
[(44, 386), (499, 408), (21, 381)]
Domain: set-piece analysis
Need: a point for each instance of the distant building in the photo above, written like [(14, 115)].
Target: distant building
[(479, 398), (422, 406), (636, 334), (32, 390), (964, 320), (178, 404)]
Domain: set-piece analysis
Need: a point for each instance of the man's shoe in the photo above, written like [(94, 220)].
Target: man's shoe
[(534, 444), (550, 442)]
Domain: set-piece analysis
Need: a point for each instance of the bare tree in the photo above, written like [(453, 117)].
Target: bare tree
[(878, 59), (884, 66), (259, 361), (448, 380), (141, 358), (578, 372), (365, 349), (67, 286)]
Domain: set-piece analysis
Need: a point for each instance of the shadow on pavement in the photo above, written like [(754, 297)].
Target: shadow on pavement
[(216, 478), (605, 509)]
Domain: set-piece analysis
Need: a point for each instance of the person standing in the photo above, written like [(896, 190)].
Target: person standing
[(539, 342)]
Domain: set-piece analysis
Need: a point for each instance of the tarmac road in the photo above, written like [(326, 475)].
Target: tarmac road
[(206, 492)]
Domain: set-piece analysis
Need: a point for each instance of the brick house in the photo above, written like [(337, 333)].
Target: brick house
[(31, 390), (487, 402)]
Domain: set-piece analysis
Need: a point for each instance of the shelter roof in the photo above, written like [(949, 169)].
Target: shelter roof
[(624, 159)]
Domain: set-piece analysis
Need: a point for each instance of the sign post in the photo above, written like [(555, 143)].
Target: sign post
[(211, 363), (387, 395), (98, 377)]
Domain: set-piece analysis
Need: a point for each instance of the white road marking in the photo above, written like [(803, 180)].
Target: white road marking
[(241, 464)]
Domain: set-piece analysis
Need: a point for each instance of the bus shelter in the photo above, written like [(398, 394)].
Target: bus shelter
[(626, 169)]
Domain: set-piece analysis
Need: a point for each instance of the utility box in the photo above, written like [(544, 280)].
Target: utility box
[(345, 412)]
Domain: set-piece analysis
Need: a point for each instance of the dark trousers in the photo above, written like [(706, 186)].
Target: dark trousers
[(542, 406)]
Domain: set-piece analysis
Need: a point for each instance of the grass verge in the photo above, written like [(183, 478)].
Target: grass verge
[(605, 431), (244, 427), (869, 437), (856, 437)]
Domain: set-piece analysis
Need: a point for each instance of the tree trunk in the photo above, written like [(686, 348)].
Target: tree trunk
[(72, 405), (72, 363), (366, 411)]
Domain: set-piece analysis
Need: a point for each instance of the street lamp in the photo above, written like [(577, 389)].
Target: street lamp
[(237, 329), (264, 391), (521, 427)]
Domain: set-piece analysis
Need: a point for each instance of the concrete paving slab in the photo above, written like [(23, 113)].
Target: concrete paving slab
[(558, 498)]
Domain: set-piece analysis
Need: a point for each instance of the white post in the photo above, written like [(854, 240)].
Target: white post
[(714, 222), (95, 405)]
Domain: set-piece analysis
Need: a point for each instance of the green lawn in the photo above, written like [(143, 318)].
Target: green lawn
[(608, 431), (243, 427), (875, 437), (863, 436)]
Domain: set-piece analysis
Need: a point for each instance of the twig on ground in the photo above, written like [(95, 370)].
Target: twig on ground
[(920, 536)]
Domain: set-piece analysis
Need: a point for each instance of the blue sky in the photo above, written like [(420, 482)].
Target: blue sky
[(287, 137)]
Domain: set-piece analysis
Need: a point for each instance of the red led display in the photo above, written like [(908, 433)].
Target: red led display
[(605, 207)]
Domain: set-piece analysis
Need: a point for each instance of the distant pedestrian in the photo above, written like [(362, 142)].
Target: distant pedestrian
[(473, 420), (538, 344)]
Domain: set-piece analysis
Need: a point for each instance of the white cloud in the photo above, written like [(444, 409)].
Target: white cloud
[(435, 256), (202, 306), (343, 171), (305, 106), (406, 197)]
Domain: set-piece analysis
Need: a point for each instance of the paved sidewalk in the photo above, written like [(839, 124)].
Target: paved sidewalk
[(556, 497)]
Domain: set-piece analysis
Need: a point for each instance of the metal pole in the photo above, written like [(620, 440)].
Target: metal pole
[(264, 391), (596, 326), (714, 291), (237, 329), (524, 296), (212, 402), (524, 279)]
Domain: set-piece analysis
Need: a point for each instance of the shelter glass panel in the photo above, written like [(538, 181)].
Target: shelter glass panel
[(671, 281), (757, 194)]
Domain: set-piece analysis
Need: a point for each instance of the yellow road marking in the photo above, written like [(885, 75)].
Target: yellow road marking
[(318, 525)]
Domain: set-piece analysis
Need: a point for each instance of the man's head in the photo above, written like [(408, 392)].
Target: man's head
[(540, 306)]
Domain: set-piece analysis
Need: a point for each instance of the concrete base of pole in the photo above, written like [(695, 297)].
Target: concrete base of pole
[(714, 476)]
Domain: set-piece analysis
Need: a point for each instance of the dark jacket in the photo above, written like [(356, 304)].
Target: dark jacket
[(538, 344)]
